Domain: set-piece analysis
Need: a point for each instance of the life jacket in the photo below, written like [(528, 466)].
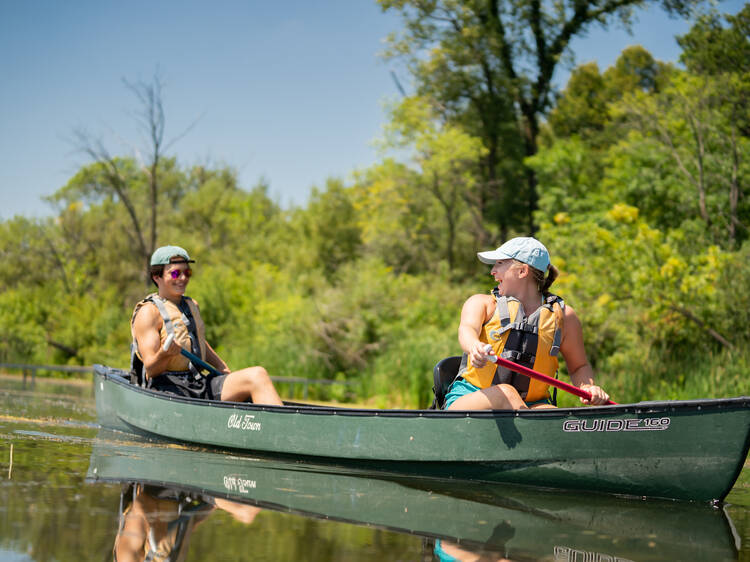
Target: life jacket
[(532, 341), (184, 321)]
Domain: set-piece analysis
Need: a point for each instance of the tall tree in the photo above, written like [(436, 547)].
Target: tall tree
[(723, 54), (494, 62), (582, 109), (446, 158)]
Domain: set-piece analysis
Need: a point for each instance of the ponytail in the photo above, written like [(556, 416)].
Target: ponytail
[(552, 274), (543, 283)]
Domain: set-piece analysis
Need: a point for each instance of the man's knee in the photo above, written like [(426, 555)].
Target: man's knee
[(256, 377)]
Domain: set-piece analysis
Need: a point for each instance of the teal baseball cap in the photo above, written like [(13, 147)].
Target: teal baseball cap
[(524, 249), (164, 255)]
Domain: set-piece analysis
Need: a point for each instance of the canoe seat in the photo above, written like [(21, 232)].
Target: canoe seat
[(443, 375)]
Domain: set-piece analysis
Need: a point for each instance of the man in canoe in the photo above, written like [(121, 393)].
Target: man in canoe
[(523, 322), (166, 322)]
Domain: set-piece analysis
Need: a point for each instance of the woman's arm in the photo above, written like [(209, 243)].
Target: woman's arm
[(581, 373), (476, 311)]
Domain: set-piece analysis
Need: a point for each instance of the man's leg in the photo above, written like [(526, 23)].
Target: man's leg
[(253, 383)]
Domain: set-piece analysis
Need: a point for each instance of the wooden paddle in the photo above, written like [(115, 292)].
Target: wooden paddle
[(531, 373)]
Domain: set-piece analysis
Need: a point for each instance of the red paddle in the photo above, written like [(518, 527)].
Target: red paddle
[(531, 373)]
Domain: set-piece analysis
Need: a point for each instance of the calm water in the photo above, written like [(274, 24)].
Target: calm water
[(69, 491)]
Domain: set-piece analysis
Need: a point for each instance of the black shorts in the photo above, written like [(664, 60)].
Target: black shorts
[(190, 386)]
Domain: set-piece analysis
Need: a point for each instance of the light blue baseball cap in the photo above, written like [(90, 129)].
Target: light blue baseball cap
[(524, 249), (163, 255)]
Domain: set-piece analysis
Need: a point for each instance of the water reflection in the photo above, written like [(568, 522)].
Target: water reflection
[(458, 521), (156, 523)]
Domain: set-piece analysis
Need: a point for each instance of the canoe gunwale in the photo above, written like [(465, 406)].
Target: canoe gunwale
[(118, 376)]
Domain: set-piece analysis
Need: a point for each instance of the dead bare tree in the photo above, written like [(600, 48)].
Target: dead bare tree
[(115, 183), (151, 118)]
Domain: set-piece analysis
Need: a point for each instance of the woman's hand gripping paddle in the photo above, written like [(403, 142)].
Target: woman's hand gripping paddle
[(531, 373)]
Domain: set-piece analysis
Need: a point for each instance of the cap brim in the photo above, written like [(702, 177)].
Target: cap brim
[(491, 257)]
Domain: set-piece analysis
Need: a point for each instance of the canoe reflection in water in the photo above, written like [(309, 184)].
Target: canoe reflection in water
[(457, 519), (156, 522)]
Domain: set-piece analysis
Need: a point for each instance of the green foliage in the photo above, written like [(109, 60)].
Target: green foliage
[(583, 109), (710, 48), (488, 68), (22, 334), (330, 224), (650, 216), (438, 201)]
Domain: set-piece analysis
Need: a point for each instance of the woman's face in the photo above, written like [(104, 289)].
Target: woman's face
[(505, 273)]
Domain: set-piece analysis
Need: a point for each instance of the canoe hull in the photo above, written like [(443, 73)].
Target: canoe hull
[(681, 450)]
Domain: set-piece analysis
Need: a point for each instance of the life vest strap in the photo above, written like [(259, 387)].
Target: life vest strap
[(168, 326), (520, 357)]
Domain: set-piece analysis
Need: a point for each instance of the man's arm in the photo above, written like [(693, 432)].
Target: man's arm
[(213, 358), (147, 328)]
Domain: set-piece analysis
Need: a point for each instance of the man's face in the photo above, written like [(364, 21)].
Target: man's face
[(174, 280)]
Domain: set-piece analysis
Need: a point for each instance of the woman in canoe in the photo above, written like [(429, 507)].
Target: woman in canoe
[(170, 316), (523, 322)]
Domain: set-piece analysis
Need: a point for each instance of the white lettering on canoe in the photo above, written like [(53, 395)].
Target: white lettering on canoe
[(645, 424), (239, 421), (567, 554), (238, 484)]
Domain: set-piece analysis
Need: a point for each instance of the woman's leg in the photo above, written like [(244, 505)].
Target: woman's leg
[(497, 397)]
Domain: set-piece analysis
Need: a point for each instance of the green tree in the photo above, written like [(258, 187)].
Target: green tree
[(637, 207), (688, 127), (492, 63), (393, 219), (712, 49), (445, 160), (583, 107), (329, 225)]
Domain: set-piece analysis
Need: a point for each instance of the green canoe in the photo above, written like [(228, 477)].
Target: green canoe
[(689, 450), (518, 522)]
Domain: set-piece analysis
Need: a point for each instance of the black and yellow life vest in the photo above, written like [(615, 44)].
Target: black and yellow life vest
[(184, 322), (532, 341)]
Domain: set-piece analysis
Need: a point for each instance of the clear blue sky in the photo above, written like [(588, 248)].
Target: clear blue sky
[(289, 91)]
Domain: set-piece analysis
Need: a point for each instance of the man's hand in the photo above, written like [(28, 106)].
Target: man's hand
[(170, 348)]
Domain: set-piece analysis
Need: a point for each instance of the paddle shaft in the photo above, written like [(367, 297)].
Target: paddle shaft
[(531, 373), (194, 358), (200, 362)]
